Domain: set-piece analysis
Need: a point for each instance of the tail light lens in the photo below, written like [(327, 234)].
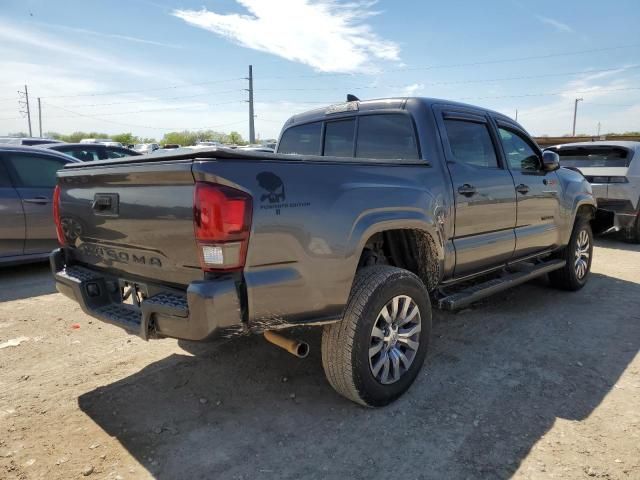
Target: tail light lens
[(56, 217), (222, 222)]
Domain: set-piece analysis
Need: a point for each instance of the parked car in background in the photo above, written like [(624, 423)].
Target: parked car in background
[(207, 143), (27, 179), (88, 152), (613, 169), (27, 140), (170, 146), (146, 147), (103, 141)]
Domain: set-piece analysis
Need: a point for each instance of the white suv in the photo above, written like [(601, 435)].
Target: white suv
[(613, 169)]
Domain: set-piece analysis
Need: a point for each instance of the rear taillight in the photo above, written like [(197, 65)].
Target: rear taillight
[(222, 222), (56, 216)]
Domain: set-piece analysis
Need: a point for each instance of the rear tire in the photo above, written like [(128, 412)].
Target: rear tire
[(578, 255), (357, 350)]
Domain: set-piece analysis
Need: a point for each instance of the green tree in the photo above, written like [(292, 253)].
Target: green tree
[(235, 138), (125, 138)]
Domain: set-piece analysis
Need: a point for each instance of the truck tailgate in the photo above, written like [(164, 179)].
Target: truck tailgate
[(134, 218)]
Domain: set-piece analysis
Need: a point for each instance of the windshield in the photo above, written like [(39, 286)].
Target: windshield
[(593, 157)]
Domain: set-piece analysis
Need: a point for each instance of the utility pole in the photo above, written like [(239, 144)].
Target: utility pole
[(516, 114), (40, 117), (252, 132), (25, 104), (598, 129), (575, 114)]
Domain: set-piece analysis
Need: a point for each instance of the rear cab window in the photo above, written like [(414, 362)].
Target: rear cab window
[(301, 139), (377, 136)]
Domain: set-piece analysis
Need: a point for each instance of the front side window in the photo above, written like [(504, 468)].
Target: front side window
[(520, 155), (386, 136), (301, 140), (338, 138), (471, 143), (34, 170)]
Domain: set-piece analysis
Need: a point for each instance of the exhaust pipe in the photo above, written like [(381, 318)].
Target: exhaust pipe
[(295, 347)]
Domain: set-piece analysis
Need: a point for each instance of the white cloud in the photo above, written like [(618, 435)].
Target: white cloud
[(412, 89), (558, 25), (324, 34)]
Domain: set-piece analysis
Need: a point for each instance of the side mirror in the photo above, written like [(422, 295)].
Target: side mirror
[(550, 161)]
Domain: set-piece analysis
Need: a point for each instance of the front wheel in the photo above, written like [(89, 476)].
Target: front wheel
[(375, 353), (578, 255)]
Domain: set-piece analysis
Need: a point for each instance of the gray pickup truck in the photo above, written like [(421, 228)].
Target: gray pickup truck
[(368, 213)]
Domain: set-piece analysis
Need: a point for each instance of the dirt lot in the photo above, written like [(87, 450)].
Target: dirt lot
[(534, 384)]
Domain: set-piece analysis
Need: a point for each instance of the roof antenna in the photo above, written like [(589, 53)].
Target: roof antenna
[(352, 98)]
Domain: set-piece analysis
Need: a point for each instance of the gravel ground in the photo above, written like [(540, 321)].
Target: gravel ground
[(535, 383)]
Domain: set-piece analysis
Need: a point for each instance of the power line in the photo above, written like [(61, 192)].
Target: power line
[(144, 126), (455, 82), (152, 100), (177, 107), (551, 94), (467, 64), (146, 89)]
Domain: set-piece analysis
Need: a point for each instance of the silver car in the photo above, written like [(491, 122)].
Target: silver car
[(27, 180), (613, 169)]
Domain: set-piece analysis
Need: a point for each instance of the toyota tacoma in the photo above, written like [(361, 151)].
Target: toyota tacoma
[(368, 213)]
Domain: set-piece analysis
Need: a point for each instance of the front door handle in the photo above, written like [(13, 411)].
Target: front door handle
[(36, 200), (522, 188), (467, 190)]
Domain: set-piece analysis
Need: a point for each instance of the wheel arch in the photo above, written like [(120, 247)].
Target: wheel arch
[(411, 245)]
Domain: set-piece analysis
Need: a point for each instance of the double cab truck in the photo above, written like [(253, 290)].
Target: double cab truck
[(368, 213)]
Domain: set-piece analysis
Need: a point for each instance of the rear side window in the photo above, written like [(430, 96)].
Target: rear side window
[(338, 138), (386, 136), (301, 140), (34, 170), (471, 143)]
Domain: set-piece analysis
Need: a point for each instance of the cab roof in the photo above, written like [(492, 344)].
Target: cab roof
[(394, 103)]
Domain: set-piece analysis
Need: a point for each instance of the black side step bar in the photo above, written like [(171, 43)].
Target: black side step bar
[(474, 293)]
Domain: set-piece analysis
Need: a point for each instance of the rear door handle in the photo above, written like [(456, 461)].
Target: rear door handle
[(467, 190), (36, 200), (522, 188)]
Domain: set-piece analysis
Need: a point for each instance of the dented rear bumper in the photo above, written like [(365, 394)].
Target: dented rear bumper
[(206, 309)]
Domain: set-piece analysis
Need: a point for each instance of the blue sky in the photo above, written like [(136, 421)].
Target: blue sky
[(152, 66)]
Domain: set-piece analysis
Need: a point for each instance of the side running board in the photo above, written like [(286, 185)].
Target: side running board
[(466, 297)]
